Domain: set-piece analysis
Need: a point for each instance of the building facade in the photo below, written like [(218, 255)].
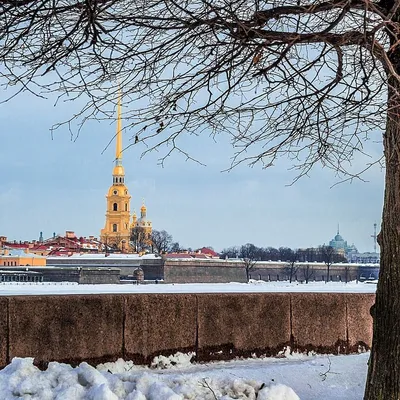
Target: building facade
[(341, 246), (19, 258)]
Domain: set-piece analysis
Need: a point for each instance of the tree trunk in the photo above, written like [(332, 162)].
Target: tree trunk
[(383, 381)]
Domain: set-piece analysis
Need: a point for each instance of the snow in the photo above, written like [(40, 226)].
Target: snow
[(288, 377), (29, 288)]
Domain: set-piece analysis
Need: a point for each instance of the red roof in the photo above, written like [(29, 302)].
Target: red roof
[(209, 252), (16, 245)]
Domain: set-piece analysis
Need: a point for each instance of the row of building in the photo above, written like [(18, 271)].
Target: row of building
[(84, 260)]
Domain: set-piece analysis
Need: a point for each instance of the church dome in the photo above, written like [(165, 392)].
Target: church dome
[(338, 238), (143, 208)]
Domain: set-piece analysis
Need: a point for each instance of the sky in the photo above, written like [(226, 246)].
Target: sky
[(58, 183)]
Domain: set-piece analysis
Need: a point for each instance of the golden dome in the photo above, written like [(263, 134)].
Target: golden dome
[(118, 170), (143, 208)]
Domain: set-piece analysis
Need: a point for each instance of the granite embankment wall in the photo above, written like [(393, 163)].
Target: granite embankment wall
[(99, 328)]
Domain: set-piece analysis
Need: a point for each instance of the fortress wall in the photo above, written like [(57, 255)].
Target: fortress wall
[(203, 272), (100, 328), (219, 271), (315, 272)]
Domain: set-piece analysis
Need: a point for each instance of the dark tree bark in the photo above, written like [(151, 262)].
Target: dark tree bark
[(383, 382)]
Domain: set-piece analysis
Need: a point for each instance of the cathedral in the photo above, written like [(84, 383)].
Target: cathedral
[(119, 226)]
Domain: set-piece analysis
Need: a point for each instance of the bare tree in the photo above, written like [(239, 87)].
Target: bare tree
[(347, 274), (292, 267), (161, 241), (139, 239), (307, 272), (118, 242), (175, 247), (248, 254), (105, 245), (230, 252), (307, 78), (328, 256)]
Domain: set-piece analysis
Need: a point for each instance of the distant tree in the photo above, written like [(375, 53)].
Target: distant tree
[(139, 239), (175, 247), (307, 272), (308, 255), (248, 254), (285, 253), (291, 257), (115, 241), (106, 245), (347, 274), (230, 252), (329, 256), (161, 241), (272, 254)]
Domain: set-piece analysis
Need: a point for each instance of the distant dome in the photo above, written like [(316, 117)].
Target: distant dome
[(338, 238)]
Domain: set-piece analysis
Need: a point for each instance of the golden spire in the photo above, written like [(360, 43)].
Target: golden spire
[(118, 172), (118, 152)]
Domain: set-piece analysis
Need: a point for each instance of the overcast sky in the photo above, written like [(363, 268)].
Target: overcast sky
[(57, 184)]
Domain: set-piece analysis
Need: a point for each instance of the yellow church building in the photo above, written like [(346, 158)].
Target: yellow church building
[(118, 228)]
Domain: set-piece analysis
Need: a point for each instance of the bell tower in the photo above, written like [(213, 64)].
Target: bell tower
[(116, 231)]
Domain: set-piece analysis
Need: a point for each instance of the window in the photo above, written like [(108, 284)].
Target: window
[(115, 207), (114, 227), (126, 206)]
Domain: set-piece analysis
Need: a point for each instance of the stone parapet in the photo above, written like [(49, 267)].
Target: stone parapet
[(100, 328)]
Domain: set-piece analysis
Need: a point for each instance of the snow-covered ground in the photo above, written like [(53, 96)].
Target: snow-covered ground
[(287, 378), (19, 288)]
